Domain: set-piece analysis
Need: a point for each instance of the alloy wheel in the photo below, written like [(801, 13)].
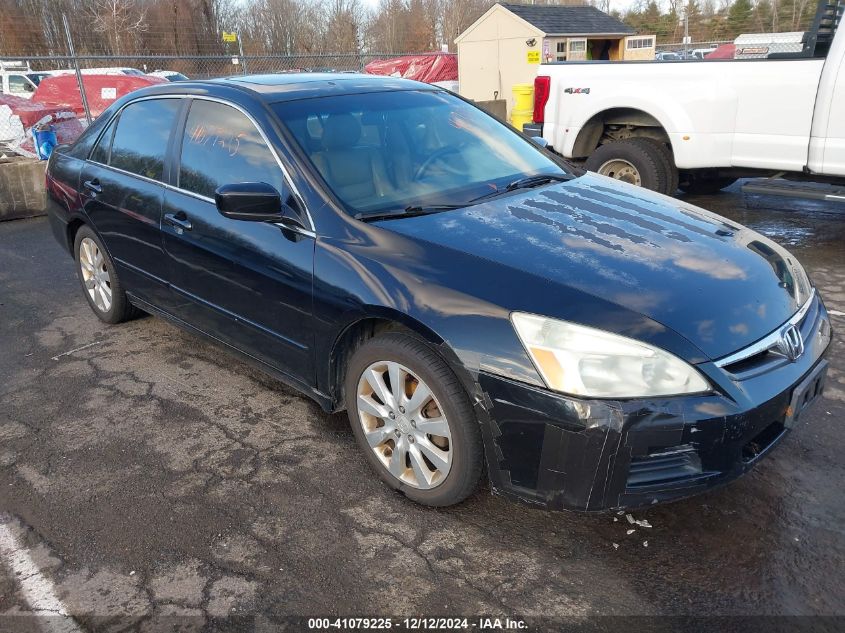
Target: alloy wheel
[(621, 170), (404, 425), (95, 276)]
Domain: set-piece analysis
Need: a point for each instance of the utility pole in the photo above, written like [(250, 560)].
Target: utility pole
[(241, 50), (685, 21)]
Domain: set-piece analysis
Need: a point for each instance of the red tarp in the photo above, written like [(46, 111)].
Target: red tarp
[(101, 90), (725, 51), (18, 137), (29, 110), (428, 68)]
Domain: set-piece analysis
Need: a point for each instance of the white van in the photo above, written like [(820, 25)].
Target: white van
[(18, 79)]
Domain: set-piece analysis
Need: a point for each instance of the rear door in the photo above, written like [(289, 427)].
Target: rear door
[(122, 191), (246, 283)]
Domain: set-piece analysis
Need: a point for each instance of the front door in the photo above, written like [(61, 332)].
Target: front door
[(122, 192), (246, 283)]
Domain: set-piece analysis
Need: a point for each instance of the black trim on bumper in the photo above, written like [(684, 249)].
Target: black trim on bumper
[(622, 454)]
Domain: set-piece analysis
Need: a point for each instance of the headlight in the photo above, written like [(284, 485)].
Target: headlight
[(582, 361)]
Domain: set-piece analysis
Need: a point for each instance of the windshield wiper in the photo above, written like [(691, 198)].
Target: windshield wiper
[(408, 212), (535, 181), (526, 183)]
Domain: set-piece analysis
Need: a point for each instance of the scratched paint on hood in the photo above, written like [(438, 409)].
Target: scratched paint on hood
[(720, 285)]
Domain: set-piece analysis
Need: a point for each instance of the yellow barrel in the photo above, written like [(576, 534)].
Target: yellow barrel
[(523, 96), (523, 110)]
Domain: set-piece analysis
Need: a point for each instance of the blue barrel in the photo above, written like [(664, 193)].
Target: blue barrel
[(44, 138)]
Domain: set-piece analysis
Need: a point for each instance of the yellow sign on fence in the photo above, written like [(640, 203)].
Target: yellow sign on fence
[(230, 37), (533, 57)]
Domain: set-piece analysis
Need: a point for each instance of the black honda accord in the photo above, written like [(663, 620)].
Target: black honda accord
[(471, 301)]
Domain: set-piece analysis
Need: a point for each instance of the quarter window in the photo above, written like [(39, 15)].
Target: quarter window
[(140, 140), (101, 152), (221, 146)]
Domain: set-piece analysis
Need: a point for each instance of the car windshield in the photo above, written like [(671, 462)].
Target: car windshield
[(36, 77), (394, 150)]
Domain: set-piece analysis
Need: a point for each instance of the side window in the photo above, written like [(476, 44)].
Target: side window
[(18, 84), (101, 152), (140, 140), (221, 146)]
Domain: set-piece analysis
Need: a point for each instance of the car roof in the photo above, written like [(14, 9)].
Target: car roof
[(273, 88)]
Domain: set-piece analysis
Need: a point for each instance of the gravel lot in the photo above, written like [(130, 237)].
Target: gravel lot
[(153, 481)]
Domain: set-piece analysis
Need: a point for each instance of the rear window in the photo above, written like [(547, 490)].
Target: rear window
[(140, 140)]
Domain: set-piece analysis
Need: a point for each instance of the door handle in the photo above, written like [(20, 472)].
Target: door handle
[(178, 220), (93, 186)]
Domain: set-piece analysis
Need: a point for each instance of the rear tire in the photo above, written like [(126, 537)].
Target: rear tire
[(394, 430), (98, 278), (637, 161), (698, 185)]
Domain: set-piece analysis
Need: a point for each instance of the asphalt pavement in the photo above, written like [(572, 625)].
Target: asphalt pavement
[(148, 481)]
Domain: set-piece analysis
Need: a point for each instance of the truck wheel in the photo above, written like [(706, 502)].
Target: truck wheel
[(672, 175), (632, 160), (701, 185), (413, 420)]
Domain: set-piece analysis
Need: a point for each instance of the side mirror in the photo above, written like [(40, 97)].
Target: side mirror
[(539, 141), (255, 202)]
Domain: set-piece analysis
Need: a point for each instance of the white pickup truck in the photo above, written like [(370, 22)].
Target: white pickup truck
[(18, 79), (701, 125)]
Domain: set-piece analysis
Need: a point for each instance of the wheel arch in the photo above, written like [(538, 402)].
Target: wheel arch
[(640, 122), (374, 321), (72, 229)]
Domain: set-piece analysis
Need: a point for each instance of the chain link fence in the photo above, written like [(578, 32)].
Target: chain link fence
[(750, 46), (63, 92), (26, 103)]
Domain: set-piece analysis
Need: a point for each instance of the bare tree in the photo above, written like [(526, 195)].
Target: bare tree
[(120, 21)]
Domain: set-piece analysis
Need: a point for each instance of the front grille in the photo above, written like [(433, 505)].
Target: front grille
[(765, 356), (681, 464)]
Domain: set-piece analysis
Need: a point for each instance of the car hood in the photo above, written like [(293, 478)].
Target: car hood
[(716, 283)]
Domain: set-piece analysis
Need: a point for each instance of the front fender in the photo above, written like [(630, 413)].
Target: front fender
[(401, 285)]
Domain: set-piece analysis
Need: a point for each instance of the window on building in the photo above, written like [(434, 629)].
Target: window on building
[(640, 42), (577, 46), (561, 51)]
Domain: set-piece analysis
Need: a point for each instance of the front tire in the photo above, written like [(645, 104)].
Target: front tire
[(413, 420), (97, 275)]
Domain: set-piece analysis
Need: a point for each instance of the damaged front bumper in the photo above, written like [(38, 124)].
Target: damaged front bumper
[(560, 452)]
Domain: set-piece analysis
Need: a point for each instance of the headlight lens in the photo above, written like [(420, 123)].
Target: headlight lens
[(582, 361)]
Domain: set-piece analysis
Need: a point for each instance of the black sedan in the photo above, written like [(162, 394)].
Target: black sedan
[(473, 303)]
